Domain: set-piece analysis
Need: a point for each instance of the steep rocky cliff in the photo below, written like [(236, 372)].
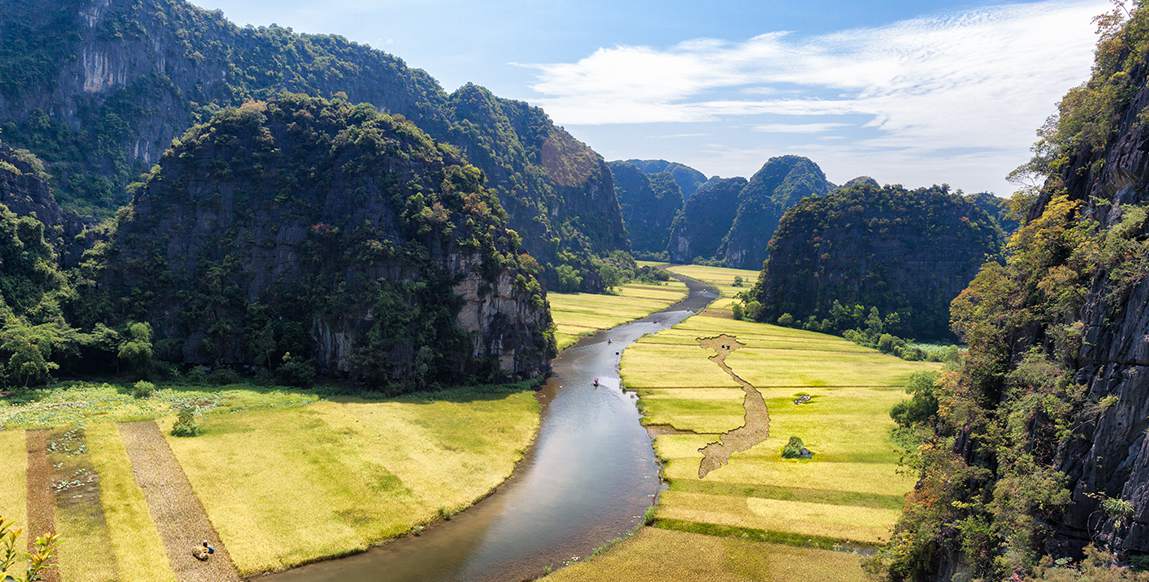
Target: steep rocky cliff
[(1039, 446), (25, 189), (778, 185), (904, 252), (706, 217), (649, 205), (687, 178), (330, 232), (119, 79)]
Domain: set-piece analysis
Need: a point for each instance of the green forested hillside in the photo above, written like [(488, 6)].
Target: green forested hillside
[(697, 230), (778, 185), (687, 178), (649, 204), (102, 101), (302, 230), (1035, 449), (907, 253)]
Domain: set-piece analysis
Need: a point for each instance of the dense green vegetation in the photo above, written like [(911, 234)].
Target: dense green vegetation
[(697, 230), (649, 204), (880, 260), (1028, 458), (777, 186), (101, 104), (303, 229), (687, 178)]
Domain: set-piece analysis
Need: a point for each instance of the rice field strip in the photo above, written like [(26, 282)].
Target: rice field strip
[(791, 386), (41, 499), (790, 493), (756, 426), (764, 535), (749, 349), (179, 516)]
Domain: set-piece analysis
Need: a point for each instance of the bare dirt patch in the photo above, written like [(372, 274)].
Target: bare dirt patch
[(180, 517), (41, 500), (756, 426)]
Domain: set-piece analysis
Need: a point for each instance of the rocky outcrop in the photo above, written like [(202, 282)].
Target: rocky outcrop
[(330, 232), (120, 79), (779, 185), (1110, 456), (904, 252), (706, 217), (687, 178), (649, 205), (25, 188)]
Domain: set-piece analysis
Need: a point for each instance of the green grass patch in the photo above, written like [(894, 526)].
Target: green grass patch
[(759, 535), (75, 403), (804, 494)]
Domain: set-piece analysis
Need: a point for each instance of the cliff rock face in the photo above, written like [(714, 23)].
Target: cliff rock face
[(687, 178), (1112, 455), (698, 229), (905, 252), (780, 184), (649, 204), (120, 78), (24, 187), (330, 232)]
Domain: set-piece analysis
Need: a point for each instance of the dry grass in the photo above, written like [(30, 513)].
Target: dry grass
[(138, 550), (658, 554), (283, 487), (579, 314), (14, 486)]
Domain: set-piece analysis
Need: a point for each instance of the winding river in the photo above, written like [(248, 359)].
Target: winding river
[(588, 479)]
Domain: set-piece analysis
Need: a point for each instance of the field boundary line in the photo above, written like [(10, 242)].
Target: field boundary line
[(179, 515), (41, 500), (763, 535)]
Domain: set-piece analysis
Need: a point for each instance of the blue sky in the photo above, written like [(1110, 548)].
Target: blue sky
[(908, 92)]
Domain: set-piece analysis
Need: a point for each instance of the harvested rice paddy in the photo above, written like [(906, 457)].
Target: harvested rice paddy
[(282, 474)]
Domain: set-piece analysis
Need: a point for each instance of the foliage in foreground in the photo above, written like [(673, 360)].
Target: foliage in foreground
[(992, 490), (36, 562)]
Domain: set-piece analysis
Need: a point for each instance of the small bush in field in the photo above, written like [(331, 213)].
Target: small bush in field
[(143, 389), (187, 425)]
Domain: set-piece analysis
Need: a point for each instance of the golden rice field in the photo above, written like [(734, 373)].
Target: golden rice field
[(579, 314), (851, 491), (729, 525), (282, 483), (655, 554), (723, 279), (14, 486)]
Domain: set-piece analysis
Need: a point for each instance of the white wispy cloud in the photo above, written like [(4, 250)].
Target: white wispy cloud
[(981, 81), (798, 127)]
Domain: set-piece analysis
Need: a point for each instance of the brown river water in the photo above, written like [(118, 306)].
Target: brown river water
[(588, 479)]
